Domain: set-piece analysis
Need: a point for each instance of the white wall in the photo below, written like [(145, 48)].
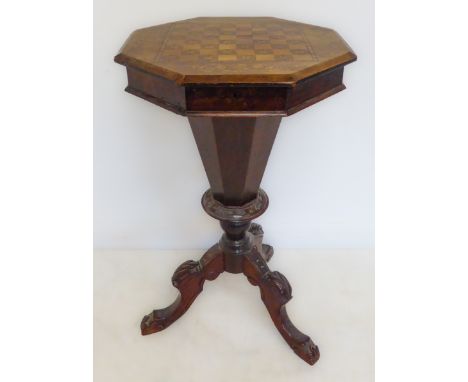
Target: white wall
[(148, 176)]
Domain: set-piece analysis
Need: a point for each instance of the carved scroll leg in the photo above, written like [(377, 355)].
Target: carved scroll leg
[(265, 249), (276, 292), (188, 278)]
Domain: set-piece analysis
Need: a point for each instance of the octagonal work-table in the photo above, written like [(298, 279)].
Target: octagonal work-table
[(235, 78)]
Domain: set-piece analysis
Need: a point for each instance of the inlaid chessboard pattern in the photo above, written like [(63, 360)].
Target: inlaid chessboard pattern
[(235, 46), (247, 43)]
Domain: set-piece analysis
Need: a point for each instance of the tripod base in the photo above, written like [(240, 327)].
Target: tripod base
[(251, 259)]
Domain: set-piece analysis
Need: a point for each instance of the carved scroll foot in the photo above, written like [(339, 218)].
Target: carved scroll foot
[(276, 291), (265, 250), (188, 278)]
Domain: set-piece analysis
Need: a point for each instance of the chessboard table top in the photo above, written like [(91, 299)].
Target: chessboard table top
[(235, 50)]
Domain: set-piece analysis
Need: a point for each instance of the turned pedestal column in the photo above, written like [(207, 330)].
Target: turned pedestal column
[(235, 78)]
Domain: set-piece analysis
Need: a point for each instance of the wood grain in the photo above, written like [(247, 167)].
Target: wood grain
[(235, 50)]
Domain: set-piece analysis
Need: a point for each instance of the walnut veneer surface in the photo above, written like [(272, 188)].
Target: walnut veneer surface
[(236, 50)]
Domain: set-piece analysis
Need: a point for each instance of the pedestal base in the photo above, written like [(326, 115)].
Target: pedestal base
[(240, 250)]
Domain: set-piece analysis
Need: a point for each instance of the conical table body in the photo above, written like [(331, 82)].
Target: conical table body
[(235, 153)]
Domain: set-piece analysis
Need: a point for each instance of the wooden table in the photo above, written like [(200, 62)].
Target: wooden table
[(235, 78)]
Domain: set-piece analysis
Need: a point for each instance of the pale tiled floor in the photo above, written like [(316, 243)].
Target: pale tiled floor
[(227, 334)]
